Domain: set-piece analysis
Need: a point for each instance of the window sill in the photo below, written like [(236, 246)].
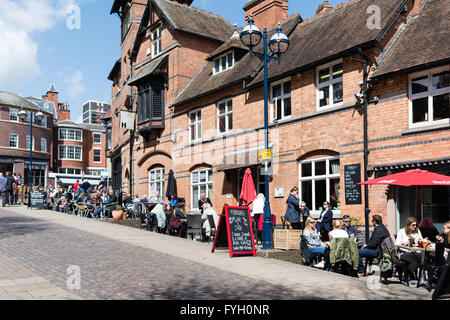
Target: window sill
[(425, 128)]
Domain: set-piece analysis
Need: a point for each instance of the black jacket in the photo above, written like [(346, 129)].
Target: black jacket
[(379, 234), (201, 203), (10, 181), (327, 218)]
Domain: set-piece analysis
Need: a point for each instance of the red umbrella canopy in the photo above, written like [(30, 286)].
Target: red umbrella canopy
[(248, 192), (414, 177)]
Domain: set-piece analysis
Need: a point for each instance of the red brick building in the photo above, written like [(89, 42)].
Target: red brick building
[(316, 121), (15, 140)]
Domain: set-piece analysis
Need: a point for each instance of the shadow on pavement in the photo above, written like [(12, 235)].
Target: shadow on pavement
[(11, 226)]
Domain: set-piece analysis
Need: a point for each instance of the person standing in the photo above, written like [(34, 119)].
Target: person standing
[(102, 184), (293, 210), (10, 184), (324, 222), (76, 185), (3, 182), (203, 199)]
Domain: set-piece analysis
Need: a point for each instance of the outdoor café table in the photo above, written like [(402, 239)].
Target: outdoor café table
[(423, 252)]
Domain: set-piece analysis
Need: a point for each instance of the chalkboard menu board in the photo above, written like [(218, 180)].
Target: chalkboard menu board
[(37, 199), (352, 175), (235, 231)]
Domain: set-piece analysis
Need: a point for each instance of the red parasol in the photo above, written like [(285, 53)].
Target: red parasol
[(248, 192), (414, 177)]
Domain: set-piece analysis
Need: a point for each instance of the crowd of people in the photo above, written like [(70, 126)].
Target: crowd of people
[(11, 187), (320, 232)]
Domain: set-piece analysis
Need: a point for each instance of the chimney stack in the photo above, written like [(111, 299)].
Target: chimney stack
[(267, 13), (324, 7)]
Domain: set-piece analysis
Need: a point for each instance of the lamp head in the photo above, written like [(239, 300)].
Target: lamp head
[(279, 43), (22, 114), (251, 35), (38, 116)]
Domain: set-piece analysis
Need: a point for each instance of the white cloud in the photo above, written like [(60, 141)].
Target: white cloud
[(19, 20), (74, 86)]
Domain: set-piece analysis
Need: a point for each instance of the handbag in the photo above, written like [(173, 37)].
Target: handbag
[(175, 222)]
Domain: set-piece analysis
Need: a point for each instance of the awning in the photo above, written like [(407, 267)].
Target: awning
[(148, 69)]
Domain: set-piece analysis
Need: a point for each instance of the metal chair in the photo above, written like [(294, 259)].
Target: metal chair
[(194, 224), (212, 227), (81, 209), (309, 258)]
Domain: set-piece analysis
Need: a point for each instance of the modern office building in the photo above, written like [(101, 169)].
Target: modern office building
[(93, 111)]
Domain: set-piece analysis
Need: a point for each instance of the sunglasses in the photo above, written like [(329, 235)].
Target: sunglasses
[(347, 221)]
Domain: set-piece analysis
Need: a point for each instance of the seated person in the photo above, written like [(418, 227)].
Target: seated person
[(156, 198), (175, 220), (372, 248), (173, 202), (136, 199), (410, 231), (127, 201), (337, 231), (445, 239), (144, 199), (61, 205), (314, 243), (428, 230), (109, 204), (352, 232), (82, 198)]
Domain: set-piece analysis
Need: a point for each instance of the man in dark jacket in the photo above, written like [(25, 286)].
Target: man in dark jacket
[(372, 248), (304, 212), (10, 183)]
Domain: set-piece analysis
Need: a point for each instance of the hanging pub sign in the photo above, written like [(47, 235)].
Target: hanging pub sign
[(352, 176), (235, 232)]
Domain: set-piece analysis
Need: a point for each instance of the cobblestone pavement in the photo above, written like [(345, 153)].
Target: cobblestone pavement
[(118, 262), (113, 270)]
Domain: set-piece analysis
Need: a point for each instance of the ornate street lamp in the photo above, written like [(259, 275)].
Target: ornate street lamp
[(279, 43), (38, 117)]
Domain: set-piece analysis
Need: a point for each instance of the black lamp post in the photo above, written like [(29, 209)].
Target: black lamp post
[(38, 117), (279, 43)]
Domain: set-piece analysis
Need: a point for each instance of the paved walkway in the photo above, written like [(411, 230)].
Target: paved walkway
[(118, 262)]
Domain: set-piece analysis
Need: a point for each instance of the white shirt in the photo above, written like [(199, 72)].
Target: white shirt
[(402, 238), (338, 233)]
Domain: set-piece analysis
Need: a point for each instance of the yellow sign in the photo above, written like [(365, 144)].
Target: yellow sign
[(265, 154)]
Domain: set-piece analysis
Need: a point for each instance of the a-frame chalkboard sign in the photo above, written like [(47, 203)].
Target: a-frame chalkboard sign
[(235, 232)]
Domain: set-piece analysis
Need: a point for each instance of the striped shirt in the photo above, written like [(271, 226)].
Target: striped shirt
[(3, 181)]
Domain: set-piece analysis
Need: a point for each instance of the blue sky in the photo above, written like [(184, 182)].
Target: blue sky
[(40, 47)]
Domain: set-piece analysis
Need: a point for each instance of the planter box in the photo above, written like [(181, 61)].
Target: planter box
[(286, 239)]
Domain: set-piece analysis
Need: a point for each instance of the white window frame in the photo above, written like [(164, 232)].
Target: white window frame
[(195, 124), (227, 65), (327, 177), (159, 183), (430, 94), (16, 140), (67, 168), (156, 41), (97, 134), (15, 113), (43, 144), (27, 141), (63, 133), (226, 114), (283, 96), (98, 170), (93, 155), (330, 84), (208, 183), (66, 157)]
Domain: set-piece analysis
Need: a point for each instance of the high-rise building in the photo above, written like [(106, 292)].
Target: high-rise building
[(93, 111)]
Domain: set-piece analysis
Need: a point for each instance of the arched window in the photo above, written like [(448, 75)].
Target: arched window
[(156, 181), (319, 181)]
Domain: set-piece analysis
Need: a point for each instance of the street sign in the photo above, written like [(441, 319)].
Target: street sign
[(104, 174), (264, 155)]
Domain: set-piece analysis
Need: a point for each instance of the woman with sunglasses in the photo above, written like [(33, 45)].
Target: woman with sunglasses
[(409, 233), (325, 220), (314, 243)]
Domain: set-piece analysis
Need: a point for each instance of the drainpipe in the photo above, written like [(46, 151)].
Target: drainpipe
[(131, 131), (366, 64)]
